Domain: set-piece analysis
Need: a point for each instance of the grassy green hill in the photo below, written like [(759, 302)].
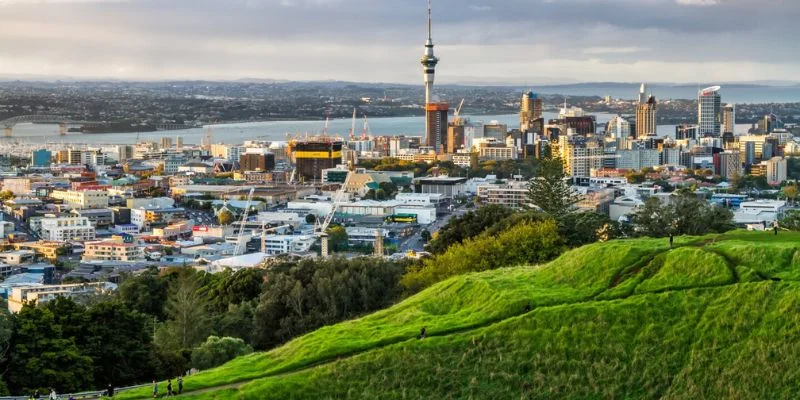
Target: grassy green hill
[(716, 317)]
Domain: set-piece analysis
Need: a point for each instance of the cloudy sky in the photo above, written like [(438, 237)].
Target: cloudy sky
[(513, 41)]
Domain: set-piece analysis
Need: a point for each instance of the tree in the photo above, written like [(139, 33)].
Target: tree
[(425, 235), (218, 350), (587, 227), (225, 217), (550, 191), (528, 243), (187, 313), (468, 226), (791, 221), (790, 192), (236, 287), (311, 219), (119, 341), (41, 356), (685, 214), (6, 195), (145, 293), (300, 296), (337, 238)]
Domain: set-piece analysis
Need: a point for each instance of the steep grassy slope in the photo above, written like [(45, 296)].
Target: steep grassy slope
[(626, 319)]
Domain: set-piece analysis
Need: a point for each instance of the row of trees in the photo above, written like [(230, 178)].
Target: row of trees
[(160, 324)]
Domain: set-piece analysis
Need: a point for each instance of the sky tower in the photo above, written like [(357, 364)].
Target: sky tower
[(435, 112), (428, 60)]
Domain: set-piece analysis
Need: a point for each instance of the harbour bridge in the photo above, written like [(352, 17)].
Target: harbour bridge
[(60, 120)]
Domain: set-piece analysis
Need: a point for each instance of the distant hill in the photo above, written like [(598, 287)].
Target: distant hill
[(716, 317)]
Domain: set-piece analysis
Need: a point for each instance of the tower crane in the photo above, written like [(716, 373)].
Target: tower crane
[(353, 128), (457, 114), (238, 249), (337, 198), (365, 132)]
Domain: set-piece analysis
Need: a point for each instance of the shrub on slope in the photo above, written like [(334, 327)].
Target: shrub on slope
[(523, 244)]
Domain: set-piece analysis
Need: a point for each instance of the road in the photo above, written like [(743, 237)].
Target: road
[(414, 242)]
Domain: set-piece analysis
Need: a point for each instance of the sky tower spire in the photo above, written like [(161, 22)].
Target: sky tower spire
[(429, 61)]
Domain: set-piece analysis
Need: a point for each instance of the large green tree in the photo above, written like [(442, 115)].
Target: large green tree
[(42, 357), (550, 189), (146, 293), (683, 214), (187, 313)]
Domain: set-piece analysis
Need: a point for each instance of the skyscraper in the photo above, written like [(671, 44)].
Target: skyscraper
[(709, 111), (429, 62), (530, 111), (645, 113), (436, 126), (728, 118)]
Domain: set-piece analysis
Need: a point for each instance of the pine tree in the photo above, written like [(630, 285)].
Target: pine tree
[(550, 191)]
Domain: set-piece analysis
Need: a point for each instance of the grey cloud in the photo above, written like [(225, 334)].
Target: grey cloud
[(382, 39)]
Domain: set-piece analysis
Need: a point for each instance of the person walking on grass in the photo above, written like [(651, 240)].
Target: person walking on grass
[(155, 388), (180, 384), (169, 388)]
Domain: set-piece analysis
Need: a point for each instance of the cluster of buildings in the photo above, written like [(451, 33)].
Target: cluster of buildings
[(106, 210)]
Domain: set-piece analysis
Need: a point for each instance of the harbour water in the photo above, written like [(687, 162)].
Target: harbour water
[(31, 134)]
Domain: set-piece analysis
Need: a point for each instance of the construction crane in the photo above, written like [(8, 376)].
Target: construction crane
[(365, 132), (353, 128), (457, 114), (238, 249), (337, 198)]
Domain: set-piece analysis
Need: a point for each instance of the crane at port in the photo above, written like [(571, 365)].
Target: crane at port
[(323, 227)]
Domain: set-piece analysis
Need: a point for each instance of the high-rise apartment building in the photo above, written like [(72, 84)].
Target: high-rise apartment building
[(709, 112), (777, 170), (618, 127), (728, 118), (645, 113), (455, 136), (730, 164), (581, 155), (530, 111), (436, 126)]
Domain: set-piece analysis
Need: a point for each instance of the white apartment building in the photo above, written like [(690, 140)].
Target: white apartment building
[(512, 194), (777, 170), (82, 198), (284, 244), (637, 159), (63, 229), (112, 250)]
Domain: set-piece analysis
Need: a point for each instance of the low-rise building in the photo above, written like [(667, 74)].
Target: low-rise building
[(40, 294), (112, 250), (286, 244), (759, 213), (99, 217), (511, 194), (82, 198), (63, 229)]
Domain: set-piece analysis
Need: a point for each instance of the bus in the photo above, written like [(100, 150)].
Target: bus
[(403, 218)]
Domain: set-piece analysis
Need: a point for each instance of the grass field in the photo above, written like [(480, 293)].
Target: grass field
[(713, 318)]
